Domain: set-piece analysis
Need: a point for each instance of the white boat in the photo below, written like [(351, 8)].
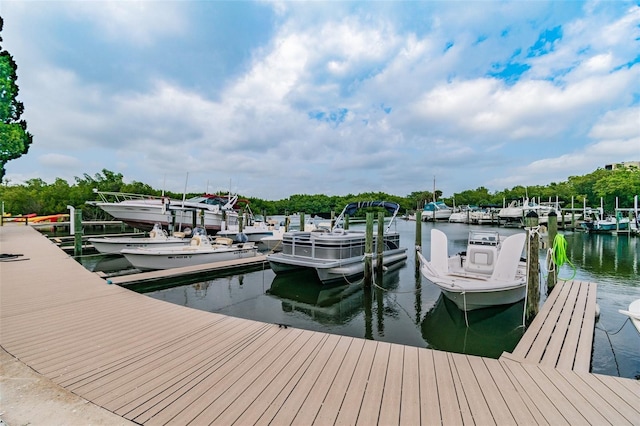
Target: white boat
[(489, 273), (596, 222), (516, 211), (463, 215), (157, 238), (633, 313), (144, 211), (436, 211), (199, 251), (337, 254), (484, 216)]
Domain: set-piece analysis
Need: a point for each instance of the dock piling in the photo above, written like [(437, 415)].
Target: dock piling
[(368, 251), (380, 245), (533, 274), (77, 226), (552, 231)]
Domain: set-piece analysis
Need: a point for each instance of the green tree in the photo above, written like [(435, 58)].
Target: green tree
[(14, 138)]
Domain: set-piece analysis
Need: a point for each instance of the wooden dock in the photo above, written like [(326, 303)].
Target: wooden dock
[(561, 335), (156, 363), (259, 261)]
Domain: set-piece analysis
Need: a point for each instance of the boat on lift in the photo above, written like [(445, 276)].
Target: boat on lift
[(144, 211)]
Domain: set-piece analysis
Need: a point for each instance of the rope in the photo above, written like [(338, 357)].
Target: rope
[(557, 256)]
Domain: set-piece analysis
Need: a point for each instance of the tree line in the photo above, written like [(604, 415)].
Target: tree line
[(37, 196)]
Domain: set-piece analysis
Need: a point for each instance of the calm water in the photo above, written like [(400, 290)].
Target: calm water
[(409, 310)]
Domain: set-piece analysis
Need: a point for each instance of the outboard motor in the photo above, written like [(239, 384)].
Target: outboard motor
[(241, 238)]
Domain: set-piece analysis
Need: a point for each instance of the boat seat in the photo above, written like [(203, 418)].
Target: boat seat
[(223, 241), (480, 259), (509, 257), (439, 251), (195, 241)]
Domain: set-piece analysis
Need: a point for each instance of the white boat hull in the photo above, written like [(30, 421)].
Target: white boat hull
[(145, 259), (471, 300), (143, 215), (115, 245), (633, 313)]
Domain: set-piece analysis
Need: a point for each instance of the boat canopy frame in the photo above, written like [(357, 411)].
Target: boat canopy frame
[(351, 208)]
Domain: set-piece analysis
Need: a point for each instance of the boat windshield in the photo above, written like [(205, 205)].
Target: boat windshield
[(199, 231), (483, 237)]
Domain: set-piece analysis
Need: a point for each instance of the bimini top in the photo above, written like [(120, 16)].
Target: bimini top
[(351, 208)]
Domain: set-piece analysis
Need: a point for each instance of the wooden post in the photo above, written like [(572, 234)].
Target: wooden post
[(418, 230), (346, 221), (380, 244), (552, 231), (533, 275), (368, 251), (333, 220), (241, 221), (287, 220), (77, 240), (302, 221)]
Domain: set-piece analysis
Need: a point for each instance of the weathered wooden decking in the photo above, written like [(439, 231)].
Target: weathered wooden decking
[(157, 363), (224, 267), (561, 335)]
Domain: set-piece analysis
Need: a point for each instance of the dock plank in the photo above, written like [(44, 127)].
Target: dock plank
[(291, 405), (336, 394), (429, 389), (582, 361), (354, 394), (561, 335), (410, 404), (370, 408), (450, 408)]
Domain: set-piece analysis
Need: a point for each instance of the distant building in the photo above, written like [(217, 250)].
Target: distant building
[(627, 164)]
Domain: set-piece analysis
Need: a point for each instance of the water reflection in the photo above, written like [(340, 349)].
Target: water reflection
[(605, 254), (490, 332), (106, 263), (333, 304)]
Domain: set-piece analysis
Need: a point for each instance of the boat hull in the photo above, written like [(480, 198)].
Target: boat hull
[(470, 300), (144, 215), (115, 245), (145, 259)]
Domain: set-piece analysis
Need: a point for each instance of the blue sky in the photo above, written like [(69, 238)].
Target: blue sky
[(275, 98)]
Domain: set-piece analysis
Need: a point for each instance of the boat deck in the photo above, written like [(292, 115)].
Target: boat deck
[(561, 335), (156, 363)]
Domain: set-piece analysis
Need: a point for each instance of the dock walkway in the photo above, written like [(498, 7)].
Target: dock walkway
[(156, 363), (561, 335)]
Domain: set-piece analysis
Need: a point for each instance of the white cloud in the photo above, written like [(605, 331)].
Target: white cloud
[(618, 124), (59, 161), (140, 23)]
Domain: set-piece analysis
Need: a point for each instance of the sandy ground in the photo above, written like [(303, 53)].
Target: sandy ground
[(28, 398)]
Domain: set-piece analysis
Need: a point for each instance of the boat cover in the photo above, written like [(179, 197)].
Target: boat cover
[(351, 208)]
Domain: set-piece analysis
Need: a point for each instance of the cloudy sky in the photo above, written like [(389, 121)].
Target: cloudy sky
[(275, 98)]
